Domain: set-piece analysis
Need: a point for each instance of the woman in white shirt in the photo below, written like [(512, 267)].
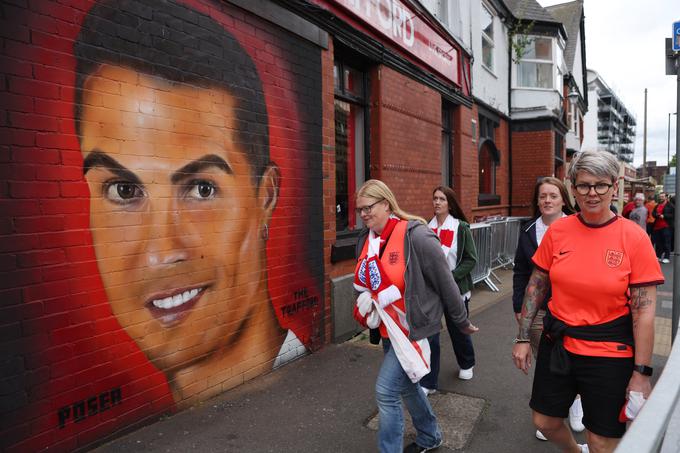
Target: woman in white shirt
[(450, 224)]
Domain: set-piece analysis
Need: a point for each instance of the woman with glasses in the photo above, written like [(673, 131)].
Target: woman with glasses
[(599, 329), (394, 252), (451, 226), (549, 203)]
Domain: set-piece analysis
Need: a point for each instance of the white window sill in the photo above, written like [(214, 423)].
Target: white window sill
[(535, 89), (489, 70)]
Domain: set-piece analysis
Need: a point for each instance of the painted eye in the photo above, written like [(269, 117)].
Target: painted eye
[(201, 190), (125, 191), (122, 192)]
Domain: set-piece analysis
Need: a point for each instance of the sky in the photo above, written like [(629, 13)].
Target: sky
[(625, 45)]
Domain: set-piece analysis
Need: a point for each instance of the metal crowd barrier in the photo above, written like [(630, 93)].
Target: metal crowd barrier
[(496, 242), (481, 234), (657, 426)]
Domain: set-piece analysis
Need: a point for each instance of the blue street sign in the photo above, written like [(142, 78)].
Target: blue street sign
[(676, 36)]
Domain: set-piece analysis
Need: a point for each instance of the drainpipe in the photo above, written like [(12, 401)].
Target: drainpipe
[(509, 128)]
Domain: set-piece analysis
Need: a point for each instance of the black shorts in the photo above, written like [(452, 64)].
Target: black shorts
[(601, 382)]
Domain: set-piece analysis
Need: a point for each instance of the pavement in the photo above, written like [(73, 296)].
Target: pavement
[(324, 402)]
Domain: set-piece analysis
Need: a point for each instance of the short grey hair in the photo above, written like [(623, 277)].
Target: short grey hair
[(639, 196), (597, 163)]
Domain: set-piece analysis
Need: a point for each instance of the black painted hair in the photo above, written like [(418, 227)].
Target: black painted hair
[(166, 39)]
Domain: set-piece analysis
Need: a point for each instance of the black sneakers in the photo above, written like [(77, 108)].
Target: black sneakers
[(415, 448)]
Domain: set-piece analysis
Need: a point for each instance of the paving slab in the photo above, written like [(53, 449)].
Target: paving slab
[(457, 415)]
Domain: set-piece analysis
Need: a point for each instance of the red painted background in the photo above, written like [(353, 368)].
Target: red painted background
[(60, 342)]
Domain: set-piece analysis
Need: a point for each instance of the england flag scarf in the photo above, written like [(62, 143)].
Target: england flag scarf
[(447, 237), (371, 276)]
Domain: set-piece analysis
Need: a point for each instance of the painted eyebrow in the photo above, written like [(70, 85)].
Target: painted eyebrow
[(98, 158), (200, 164)]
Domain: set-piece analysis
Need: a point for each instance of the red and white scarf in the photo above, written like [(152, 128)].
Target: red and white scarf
[(447, 238), (371, 276)]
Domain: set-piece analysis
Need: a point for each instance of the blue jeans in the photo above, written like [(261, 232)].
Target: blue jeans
[(393, 385), (462, 348)]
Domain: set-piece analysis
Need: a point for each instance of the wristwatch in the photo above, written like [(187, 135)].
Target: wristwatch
[(643, 369)]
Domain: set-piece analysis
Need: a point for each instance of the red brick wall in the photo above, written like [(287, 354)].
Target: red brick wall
[(76, 369), (408, 154), (465, 159), (532, 157), (347, 266), (467, 166)]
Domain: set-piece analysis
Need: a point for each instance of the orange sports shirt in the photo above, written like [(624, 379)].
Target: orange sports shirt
[(591, 269)]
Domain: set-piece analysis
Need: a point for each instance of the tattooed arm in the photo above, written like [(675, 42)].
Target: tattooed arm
[(643, 309), (533, 298)]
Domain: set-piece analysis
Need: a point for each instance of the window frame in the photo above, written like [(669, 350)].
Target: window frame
[(488, 40), (487, 138), (341, 93), (538, 61)]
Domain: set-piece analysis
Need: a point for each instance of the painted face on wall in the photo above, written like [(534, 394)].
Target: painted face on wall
[(177, 217)]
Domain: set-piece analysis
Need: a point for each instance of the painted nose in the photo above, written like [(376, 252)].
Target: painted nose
[(167, 244)]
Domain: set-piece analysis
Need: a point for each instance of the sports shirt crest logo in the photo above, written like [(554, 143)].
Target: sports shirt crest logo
[(362, 272), (374, 275), (614, 258)]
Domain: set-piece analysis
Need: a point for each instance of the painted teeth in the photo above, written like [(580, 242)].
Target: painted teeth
[(176, 300)]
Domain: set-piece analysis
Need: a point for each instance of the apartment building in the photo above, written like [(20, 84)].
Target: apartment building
[(611, 126)]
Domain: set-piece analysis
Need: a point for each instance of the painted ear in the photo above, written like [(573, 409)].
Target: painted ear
[(268, 192)]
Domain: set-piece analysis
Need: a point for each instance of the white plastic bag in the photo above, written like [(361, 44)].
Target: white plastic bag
[(632, 406), (415, 364)]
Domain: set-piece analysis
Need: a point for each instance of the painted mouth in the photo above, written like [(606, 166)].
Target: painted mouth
[(171, 308)]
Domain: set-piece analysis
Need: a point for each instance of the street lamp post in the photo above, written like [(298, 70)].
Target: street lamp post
[(668, 152)]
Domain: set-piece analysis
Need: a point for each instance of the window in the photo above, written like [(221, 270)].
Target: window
[(574, 118), (559, 144), (487, 170), (487, 37), (438, 8), (489, 159), (350, 143), (536, 68), (447, 144)]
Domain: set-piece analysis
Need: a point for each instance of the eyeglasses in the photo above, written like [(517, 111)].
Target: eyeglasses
[(601, 188), (366, 210)]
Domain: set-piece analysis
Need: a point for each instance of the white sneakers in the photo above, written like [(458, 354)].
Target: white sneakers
[(575, 421), (426, 391), (665, 261), (465, 375), (576, 416), (584, 448)]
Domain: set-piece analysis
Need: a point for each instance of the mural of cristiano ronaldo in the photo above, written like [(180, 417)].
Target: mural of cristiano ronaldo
[(173, 129)]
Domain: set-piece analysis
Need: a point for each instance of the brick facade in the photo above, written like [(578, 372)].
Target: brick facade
[(124, 296), (408, 156), (81, 365)]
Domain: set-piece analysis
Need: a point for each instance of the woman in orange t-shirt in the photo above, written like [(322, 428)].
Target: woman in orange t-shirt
[(599, 332)]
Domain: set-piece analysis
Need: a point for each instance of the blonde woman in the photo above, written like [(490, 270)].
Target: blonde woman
[(394, 253)]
